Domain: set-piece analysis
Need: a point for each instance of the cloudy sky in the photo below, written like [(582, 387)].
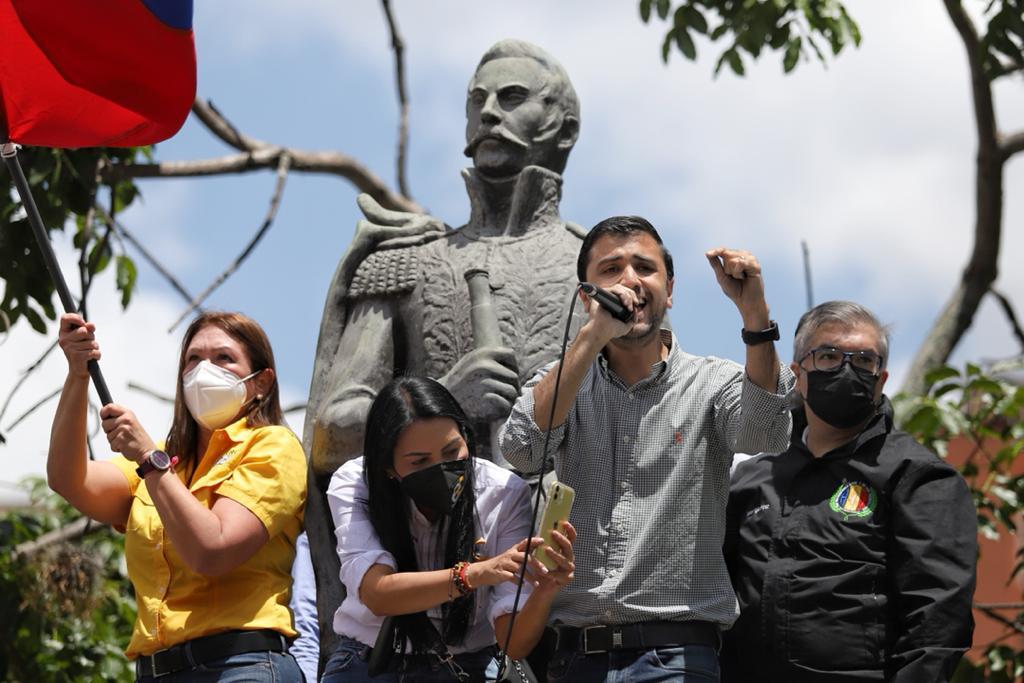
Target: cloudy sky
[(870, 161)]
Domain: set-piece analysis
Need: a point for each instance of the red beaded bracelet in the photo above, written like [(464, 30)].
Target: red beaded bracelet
[(459, 578)]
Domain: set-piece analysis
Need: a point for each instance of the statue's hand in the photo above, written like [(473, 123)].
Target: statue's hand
[(485, 382), (393, 229)]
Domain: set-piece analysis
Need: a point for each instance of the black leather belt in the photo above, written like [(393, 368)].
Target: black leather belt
[(642, 636), (192, 653)]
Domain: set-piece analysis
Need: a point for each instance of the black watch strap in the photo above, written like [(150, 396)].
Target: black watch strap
[(156, 460), (752, 338)]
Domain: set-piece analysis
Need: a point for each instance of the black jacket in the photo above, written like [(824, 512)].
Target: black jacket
[(855, 566)]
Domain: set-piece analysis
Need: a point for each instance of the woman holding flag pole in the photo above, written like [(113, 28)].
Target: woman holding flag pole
[(210, 518)]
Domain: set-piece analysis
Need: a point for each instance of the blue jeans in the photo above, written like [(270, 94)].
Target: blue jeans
[(681, 664), (348, 665), (249, 667)]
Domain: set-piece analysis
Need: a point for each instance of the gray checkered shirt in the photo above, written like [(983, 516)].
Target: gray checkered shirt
[(650, 466)]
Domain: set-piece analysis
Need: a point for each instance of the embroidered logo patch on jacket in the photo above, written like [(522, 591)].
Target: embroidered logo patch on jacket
[(853, 499)]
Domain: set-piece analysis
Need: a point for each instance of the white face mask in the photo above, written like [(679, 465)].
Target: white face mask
[(213, 394)]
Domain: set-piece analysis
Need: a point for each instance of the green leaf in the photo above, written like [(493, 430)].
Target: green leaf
[(695, 19), (944, 389), (936, 375), (34, 319), (852, 29), (663, 8), (126, 277), (645, 10), (984, 385), (735, 63), (685, 43), (792, 54), (125, 193), (923, 422), (99, 256), (779, 36), (666, 45)]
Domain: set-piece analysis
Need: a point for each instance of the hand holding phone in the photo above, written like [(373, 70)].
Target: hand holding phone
[(560, 498)]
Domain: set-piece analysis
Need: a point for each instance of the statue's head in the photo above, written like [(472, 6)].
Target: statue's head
[(521, 110)]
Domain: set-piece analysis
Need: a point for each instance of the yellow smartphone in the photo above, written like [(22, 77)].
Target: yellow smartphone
[(559, 506)]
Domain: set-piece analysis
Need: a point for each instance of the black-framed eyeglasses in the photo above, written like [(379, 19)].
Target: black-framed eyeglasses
[(829, 359)]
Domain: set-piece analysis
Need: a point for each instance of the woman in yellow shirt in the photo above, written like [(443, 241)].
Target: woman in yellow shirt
[(210, 519)]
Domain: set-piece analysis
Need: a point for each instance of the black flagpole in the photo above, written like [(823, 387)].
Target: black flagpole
[(10, 156)]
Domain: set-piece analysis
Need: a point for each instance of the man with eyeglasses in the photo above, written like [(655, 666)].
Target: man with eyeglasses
[(853, 552)]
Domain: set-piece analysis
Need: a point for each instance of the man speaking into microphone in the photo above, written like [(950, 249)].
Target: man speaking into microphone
[(645, 433)]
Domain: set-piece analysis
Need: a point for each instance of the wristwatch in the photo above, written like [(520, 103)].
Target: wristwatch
[(157, 460), (768, 335)]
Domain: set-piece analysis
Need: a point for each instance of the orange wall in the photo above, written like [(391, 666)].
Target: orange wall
[(996, 561)]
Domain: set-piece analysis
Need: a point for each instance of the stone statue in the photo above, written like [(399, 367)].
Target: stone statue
[(480, 308)]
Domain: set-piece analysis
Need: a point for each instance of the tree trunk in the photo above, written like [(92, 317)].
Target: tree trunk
[(958, 314)]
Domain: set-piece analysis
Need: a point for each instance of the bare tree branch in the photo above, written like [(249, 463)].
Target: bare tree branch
[(83, 260), (403, 99), (258, 155), (981, 270), (1011, 316), (35, 406), (331, 163), (150, 392), (231, 163), (25, 375), (1012, 144), (76, 529), (999, 605), (218, 124), (275, 201), (152, 260), (990, 612)]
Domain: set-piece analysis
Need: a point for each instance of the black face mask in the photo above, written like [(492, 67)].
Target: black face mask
[(844, 398), (437, 487)]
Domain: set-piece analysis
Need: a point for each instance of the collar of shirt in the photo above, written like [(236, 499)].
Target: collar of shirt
[(658, 370), (221, 449), (238, 431), (878, 426)]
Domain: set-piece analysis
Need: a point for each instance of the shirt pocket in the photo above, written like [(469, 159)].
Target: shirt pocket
[(216, 476), (144, 529), (841, 629)]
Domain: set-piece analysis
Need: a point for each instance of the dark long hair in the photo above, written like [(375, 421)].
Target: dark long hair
[(183, 437), (399, 404)]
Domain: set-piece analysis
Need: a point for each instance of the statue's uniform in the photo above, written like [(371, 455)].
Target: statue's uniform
[(409, 308)]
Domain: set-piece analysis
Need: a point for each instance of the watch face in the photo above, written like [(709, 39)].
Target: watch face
[(160, 460)]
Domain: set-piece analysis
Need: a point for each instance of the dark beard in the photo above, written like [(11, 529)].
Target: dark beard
[(630, 342)]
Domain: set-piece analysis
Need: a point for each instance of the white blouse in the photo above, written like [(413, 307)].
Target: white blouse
[(502, 520)]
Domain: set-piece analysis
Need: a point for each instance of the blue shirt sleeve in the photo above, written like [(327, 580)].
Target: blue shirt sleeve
[(306, 648)]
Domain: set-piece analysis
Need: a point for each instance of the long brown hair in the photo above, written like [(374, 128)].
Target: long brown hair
[(183, 438)]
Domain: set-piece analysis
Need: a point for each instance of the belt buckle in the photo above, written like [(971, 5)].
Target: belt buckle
[(586, 640), (153, 667)]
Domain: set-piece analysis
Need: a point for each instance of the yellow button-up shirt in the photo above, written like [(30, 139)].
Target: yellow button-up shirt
[(263, 469)]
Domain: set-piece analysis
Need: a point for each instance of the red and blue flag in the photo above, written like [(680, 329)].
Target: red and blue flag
[(90, 73)]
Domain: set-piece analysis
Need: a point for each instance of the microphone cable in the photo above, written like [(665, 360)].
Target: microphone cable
[(540, 481)]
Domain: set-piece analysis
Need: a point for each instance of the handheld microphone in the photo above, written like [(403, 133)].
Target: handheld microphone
[(608, 302)]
